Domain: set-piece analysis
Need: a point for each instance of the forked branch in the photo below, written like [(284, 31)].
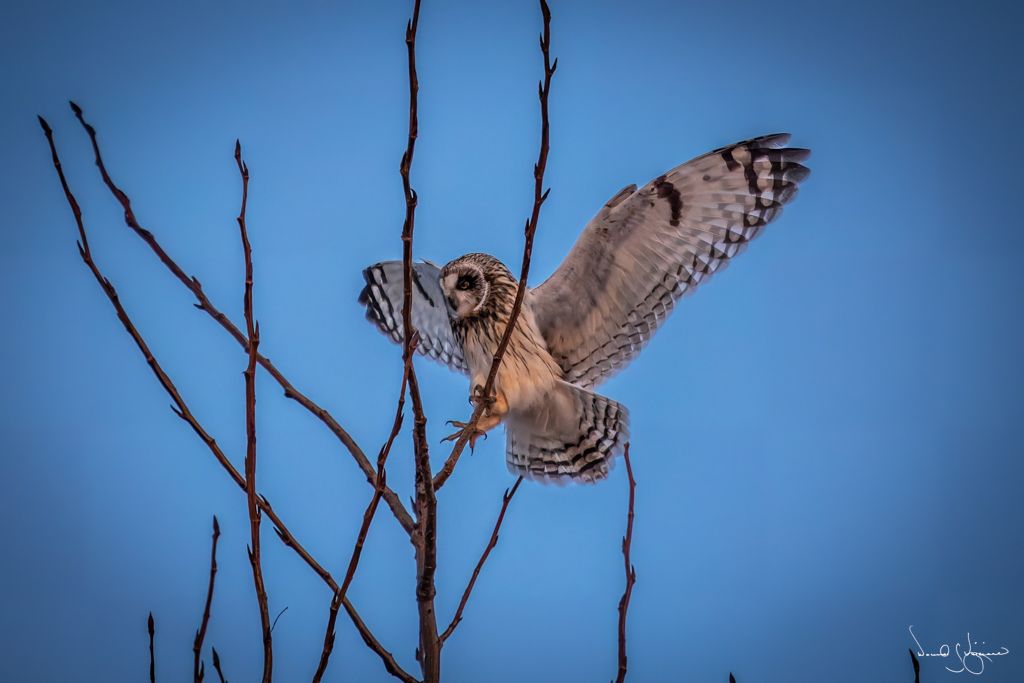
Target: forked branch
[(364, 529), (422, 527), (181, 409), (203, 303)]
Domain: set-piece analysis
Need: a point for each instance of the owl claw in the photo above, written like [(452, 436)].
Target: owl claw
[(478, 396), (463, 426)]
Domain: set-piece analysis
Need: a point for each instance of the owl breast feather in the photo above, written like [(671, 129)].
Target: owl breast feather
[(527, 373)]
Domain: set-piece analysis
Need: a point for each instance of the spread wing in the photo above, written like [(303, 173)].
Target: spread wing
[(382, 297), (648, 247)]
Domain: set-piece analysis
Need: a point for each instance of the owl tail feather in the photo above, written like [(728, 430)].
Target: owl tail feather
[(574, 435)]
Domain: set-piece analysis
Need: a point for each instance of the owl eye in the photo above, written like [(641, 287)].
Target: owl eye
[(465, 283)]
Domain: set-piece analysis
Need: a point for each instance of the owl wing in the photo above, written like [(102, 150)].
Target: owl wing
[(383, 296), (648, 247)]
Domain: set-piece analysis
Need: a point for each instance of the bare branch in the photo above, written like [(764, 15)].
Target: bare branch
[(151, 627), (181, 409), (204, 304), (329, 635), (425, 536), (505, 499), (250, 428), (627, 542), (539, 195), (368, 516), (197, 646)]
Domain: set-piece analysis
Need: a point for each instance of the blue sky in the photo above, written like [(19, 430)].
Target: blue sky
[(826, 436)]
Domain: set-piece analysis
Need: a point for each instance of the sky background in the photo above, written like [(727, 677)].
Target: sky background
[(826, 436)]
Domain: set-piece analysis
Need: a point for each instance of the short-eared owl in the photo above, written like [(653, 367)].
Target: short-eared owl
[(644, 250)]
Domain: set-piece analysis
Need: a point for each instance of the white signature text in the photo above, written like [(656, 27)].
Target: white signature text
[(970, 661)]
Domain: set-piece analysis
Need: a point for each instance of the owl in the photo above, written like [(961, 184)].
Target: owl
[(643, 250)]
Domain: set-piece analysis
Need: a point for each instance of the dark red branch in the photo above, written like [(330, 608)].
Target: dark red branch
[(368, 516), (204, 304), (151, 627), (505, 499), (424, 537), (325, 654), (627, 542), (181, 409), (253, 330), (197, 645), (539, 196)]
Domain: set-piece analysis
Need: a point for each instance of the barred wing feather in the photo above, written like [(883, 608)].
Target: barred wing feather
[(383, 296), (648, 247)]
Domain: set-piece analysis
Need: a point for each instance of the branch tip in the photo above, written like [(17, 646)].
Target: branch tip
[(457, 619), (530, 231)]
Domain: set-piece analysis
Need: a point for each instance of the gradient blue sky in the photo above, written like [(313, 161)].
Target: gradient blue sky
[(826, 436)]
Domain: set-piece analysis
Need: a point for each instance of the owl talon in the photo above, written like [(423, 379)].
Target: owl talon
[(463, 426), (478, 396)]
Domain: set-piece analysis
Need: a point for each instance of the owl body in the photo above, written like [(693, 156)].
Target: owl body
[(555, 429), (643, 251), (527, 373)]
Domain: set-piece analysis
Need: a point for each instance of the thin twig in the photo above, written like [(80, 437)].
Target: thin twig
[(505, 499), (204, 304), (364, 529), (216, 665), (197, 646), (181, 409), (325, 653), (253, 330), (278, 618), (151, 627), (539, 196), (917, 667), (627, 542)]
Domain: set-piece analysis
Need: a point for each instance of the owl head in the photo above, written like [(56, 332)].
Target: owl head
[(472, 282)]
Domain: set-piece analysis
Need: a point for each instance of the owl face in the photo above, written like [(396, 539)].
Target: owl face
[(465, 288)]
